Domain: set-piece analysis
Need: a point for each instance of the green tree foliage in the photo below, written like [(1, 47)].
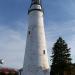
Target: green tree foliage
[(16, 73), (2, 73), (10, 73), (13, 73), (60, 57)]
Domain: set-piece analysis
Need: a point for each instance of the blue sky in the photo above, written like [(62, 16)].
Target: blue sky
[(59, 16)]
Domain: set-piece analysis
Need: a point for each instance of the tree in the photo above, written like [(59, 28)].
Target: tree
[(60, 57), (10, 73), (2, 73)]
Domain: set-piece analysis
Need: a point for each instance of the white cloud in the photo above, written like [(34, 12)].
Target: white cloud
[(65, 30), (72, 45), (12, 42), (12, 47)]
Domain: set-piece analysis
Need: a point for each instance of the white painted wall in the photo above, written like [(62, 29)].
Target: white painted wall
[(35, 61)]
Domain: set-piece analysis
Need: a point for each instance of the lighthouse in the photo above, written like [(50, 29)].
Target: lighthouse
[(35, 59)]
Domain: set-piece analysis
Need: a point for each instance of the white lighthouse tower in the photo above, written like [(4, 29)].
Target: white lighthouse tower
[(36, 59)]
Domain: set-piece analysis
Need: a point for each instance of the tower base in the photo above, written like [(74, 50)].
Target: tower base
[(35, 71)]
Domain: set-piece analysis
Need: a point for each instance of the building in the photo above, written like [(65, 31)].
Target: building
[(8, 71), (36, 58)]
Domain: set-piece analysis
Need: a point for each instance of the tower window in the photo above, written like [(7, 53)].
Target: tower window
[(43, 51), (29, 32)]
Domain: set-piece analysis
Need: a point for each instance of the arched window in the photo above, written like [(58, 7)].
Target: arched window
[(43, 51), (29, 32)]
